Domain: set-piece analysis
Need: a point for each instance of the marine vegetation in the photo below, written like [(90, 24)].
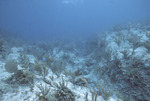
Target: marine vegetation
[(127, 64), (78, 78), (44, 90), (94, 96), (63, 93), (115, 65), (11, 66), (24, 61), (21, 77), (3, 48), (41, 68)]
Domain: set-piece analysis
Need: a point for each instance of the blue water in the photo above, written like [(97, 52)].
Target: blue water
[(115, 62), (52, 19)]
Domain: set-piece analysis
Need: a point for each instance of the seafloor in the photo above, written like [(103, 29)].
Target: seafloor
[(111, 66)]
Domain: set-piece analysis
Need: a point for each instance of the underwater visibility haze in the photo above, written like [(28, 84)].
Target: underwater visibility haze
[(44, 19), (74, 50)]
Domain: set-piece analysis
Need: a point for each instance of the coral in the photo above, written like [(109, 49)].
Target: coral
[(48, 82), (11, 66), (104, 91), (44, 90), (78, 78), (58, 67), (94, 96), (24, 60), (134, 39), (1, 93), (78, 72), (63, 93), (81, 81), (21, 77), (129, 72), (138, 80), (3, 48), (41, 68), (126, 66), (146, 44)]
